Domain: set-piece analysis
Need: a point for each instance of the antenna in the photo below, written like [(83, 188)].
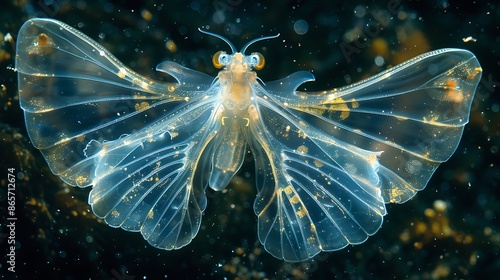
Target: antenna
[(257, 40), (233, 49)]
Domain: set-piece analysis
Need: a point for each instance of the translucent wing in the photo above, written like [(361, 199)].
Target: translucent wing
[(328, 161), (99, 123)]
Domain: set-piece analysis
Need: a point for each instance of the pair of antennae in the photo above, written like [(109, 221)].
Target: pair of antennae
[(233, 49)]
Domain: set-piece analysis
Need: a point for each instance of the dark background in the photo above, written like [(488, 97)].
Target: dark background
[(58, 237)]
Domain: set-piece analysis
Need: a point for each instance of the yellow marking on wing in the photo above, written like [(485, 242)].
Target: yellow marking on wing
[(295, 199), (150, 214), (141, 106), (318, 163), (122, 73), (473, 73), (174, 134), (395, 194), (302, 212), (339, 104), (42, 45), (80, 179), (301, 134), (313, 228), (80, 138), (431, 120), (372, 159), (354, 103), (302, 149), (115, 213)]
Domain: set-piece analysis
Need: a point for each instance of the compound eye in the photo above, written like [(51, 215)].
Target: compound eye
[(220, 59), (257, 60)]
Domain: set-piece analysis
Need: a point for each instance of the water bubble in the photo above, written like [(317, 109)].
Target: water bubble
[(301, 27), (379, 60), (195, 5), (218, 17), (359, 11)]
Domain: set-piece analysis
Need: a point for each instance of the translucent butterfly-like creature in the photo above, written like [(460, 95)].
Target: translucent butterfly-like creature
[(326, 162)]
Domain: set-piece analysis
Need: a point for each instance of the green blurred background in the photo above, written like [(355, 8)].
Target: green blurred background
[(448, 231)]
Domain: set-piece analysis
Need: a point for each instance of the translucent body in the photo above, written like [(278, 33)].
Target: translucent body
[(326, 162)]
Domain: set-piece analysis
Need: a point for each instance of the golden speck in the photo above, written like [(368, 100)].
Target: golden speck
[(171, 46), (430, 213), (146, 15), (239, 251), (418, 245), (441, 271), (31, 201), (473, 258), (439, 206), (487, 231), (405, 236), (4, 55)]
